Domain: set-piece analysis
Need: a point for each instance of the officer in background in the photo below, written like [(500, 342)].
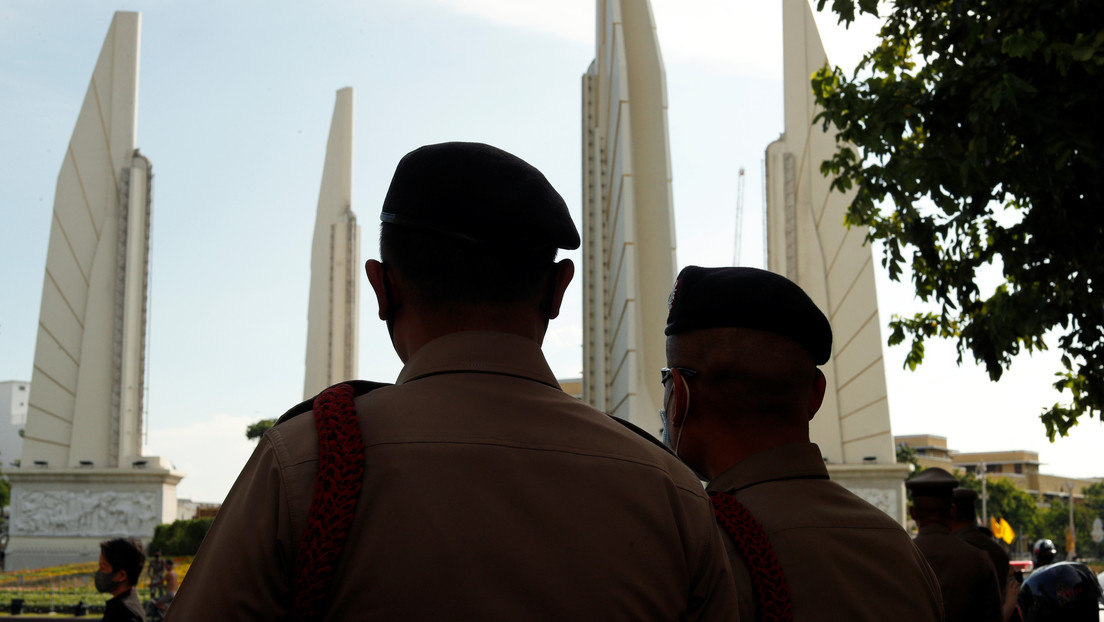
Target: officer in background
[(740, 388), (964, 525), (967, 577), (486, 492)]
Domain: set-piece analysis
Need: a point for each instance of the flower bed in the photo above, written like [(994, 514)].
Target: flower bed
[(60, 588)]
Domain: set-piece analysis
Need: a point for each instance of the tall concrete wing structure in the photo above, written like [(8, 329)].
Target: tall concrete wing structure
[(809, 243), (82, 474), (334, 307), (628, 222)]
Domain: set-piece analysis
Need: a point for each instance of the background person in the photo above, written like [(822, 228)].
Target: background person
[(170, 582), (1061, 592), (1043, 552), (967, 578), (740, 388), (964, 525), (121, 561), (487, 492)]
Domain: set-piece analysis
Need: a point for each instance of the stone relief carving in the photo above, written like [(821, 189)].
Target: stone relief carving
[(83, 513), (884, 500)]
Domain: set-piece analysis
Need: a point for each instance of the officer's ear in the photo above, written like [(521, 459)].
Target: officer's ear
[(376, 275), (820, 385), (562, 273)]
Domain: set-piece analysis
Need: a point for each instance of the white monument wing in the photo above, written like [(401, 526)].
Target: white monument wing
[(333, 309), (628, 225), (88, 365), (808, 242)]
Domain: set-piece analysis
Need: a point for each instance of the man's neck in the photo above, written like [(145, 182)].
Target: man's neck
[(414, 331), (722, 456), (958, 526)]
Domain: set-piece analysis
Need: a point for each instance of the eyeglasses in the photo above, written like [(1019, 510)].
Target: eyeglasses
[(665, 373)]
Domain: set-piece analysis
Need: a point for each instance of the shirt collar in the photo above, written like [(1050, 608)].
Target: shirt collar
[(934, 528), (790, 461), (479, 352)]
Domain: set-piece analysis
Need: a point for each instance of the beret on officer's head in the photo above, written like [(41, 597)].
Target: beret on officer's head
[(478, 193), (964, 500), (932, 482), (965, 495), (748, 298)]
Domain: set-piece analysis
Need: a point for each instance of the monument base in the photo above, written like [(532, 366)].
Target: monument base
[(881, 485), (60, 516)]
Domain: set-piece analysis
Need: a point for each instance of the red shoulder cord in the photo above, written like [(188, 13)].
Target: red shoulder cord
[(336, 488), (767, 580)]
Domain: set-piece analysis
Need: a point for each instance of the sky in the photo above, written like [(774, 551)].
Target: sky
[(235, 101)]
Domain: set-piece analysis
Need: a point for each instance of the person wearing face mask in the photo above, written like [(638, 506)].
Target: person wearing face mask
[(121, 561), (740, 387)]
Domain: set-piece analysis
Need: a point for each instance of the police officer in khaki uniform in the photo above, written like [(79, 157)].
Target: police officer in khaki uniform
[(967, 577), (487, 493), (964, 525), (741, 386)]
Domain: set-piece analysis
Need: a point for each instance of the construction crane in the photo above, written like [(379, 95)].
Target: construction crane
[(739, 216)]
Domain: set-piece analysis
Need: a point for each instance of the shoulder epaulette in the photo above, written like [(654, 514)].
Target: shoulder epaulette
[(360, 387)]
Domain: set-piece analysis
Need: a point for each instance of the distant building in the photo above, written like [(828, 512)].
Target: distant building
[(14, 397), (572, 386), (186, 509), (1020, 466)]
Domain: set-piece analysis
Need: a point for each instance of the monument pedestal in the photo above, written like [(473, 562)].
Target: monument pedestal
[(60, 515), (881, 485)]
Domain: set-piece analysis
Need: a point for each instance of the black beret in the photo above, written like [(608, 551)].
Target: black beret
[(932, 482), (964, 500), (748, 298), (965, 495), (478, 193)]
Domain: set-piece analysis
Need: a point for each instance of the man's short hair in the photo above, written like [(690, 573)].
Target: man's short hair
[(444, 269), (125, 554)]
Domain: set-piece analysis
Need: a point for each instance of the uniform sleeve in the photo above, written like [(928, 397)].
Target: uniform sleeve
[(712, 589), (243, 568)]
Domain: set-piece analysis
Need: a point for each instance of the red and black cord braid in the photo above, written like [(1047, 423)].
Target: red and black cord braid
[(336, 488), (768, 583)]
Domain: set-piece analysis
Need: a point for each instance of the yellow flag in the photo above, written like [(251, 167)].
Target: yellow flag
[(1006, 532), (1070, 541), (996, 528)]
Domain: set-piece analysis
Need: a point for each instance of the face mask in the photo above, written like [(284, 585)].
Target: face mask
[(666, 428), (104, 583)]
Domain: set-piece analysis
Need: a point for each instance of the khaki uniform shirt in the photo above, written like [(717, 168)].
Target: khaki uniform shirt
[(966, 575), (843, 558), (488, 494)]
